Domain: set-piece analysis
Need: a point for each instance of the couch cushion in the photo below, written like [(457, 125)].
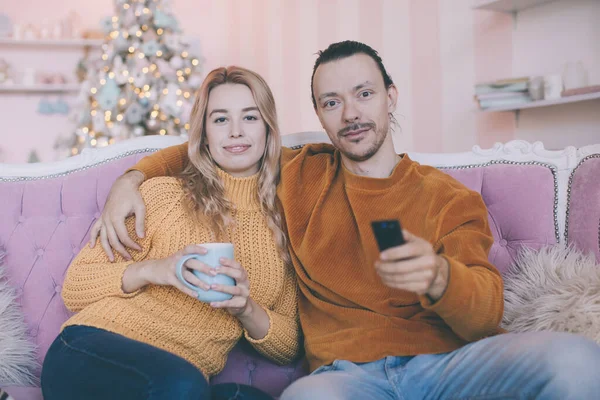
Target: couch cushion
[(520, 198), (583, 206)]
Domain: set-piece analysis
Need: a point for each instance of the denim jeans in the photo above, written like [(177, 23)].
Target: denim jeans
[(541, 365), (90, 363)]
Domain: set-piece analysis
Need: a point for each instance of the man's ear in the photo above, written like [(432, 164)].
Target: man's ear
[(392, 93)]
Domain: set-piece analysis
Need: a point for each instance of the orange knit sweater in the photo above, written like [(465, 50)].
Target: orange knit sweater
[(163, 316), (345, 310)]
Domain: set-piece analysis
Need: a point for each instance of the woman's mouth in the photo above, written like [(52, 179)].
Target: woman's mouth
[(237, 149)]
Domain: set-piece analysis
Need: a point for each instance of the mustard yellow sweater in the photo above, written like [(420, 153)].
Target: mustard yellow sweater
[(346, 312), (163, 316)]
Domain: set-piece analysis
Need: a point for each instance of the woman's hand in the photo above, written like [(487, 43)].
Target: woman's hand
[(163, 272), (240, 305)]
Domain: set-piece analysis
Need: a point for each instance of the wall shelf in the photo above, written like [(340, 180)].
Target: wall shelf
[(546, 103), (507, 6), (40, 88), (52, 42)]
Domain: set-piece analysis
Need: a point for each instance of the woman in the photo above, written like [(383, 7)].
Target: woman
[(139, 332)]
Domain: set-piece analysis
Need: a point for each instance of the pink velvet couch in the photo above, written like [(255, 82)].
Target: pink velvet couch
[(535, 197)]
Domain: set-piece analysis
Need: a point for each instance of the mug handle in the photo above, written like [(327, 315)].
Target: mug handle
[(179, 271)]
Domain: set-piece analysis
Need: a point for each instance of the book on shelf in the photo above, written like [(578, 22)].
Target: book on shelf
[(503, 85), (581, 90), (484, 104)]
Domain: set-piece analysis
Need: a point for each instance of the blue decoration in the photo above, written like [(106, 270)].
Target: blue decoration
[(150, 48), (106, 24), (144, 102), (163, 20), (108, 95)]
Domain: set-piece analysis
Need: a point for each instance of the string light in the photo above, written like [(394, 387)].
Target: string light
[(188, 71), (159, 53), (105, 57), (131, 49), (146, 10), (103, 81), (93, 90), (126, 6), (111, 75), (178, 92), (181, 79), (140, 55), (74, 151), (165, 91), (93, 113), (120, 117), (138, 34), (184, 54), (93, 142), (144, 28), (159, 31), (186, 127), (145, 70), (177, 121), (194, 62), (130, 80), (114, 34), (163, 132), (186, 95), (154, 114), (85, 129), (179, 103)]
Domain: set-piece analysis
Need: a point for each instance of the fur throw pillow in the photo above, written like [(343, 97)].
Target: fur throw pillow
[(17, 353), (556, 288)]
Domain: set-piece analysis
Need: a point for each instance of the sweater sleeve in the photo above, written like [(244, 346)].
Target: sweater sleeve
[(166, 162), (282, 341), (472, 304), (91, 276)]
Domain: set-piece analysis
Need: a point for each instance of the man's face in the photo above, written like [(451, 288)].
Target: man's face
[(353, 105)]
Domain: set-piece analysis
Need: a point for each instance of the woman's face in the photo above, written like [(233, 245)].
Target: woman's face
[(235, 130)]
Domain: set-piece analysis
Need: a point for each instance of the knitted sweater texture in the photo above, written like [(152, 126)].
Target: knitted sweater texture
[(166, 318)]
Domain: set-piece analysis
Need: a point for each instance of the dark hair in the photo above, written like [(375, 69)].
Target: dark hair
[(347, 48)]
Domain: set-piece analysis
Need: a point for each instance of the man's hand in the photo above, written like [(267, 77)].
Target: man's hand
[(414, 267), (123, 200)]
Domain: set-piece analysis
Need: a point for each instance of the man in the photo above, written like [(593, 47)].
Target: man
[(417, 321)]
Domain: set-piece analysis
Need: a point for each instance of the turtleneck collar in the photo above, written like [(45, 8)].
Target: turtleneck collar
[(242, 192)]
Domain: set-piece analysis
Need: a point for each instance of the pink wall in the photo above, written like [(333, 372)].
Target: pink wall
[(435, 50)]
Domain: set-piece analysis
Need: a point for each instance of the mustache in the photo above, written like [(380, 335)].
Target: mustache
[(355, 127)]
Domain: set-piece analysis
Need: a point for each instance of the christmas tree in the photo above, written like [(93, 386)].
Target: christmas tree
[(143, 82)]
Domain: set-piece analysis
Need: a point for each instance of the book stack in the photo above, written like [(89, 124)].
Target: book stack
[(503, 93)]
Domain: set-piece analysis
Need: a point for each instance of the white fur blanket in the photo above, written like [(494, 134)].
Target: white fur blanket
[(17, 353), (555, 289)]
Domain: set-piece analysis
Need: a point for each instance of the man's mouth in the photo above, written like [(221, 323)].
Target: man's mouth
[(355, 134), (237, 148)]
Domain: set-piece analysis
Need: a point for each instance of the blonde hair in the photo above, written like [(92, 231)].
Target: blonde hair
[(205, 194)]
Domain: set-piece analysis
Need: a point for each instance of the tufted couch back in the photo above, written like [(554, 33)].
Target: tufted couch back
[(45, 220)]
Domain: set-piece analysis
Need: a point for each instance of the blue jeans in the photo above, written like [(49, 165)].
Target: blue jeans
[(541, 365), (90, 363)]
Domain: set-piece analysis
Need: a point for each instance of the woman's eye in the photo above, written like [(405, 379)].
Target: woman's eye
[(220, 120), (251, 118)]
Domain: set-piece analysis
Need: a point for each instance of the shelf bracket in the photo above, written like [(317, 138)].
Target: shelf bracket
[(515, 19), (517, 116)]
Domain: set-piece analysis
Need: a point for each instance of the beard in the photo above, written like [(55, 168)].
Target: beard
[(372, 148)]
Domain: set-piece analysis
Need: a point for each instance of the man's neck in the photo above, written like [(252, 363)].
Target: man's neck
[(380, 165)]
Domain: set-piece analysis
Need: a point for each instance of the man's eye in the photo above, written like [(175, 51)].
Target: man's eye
[(329, 104), (365, 94)]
